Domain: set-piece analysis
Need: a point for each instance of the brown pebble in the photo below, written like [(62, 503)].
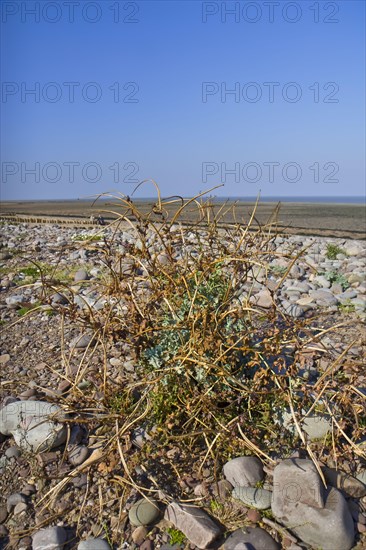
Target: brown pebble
[(3, 514), (147, 545), (27, 393), (361, 528), (139, 534), (64, 386), (29, 489), (24, 472), (221, 489), (253, 516)]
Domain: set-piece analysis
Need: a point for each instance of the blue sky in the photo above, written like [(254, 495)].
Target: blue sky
[(126, 91)]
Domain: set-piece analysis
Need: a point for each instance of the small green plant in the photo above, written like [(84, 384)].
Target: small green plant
[(26, 309), (278, 269), (334, 277), (216, 507), (30, 271), (267, 514), (346, 307), (333, 250), (176, 536)]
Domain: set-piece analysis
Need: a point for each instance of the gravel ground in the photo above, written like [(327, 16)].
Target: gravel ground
[(37, 357)]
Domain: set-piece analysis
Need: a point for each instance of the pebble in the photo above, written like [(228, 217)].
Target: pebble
[(20, 508), (244, 471), (12, 452), (258, 498), (78, 455), (81, 342), (4, 359), (3, 514), (254, 516), (80, 481), (144, 512), (14, 499), (139, 534), (81, 275), (51, 538), (250, 538), (93, 544)]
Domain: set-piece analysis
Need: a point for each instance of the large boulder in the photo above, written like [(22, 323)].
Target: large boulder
[(318, 516)]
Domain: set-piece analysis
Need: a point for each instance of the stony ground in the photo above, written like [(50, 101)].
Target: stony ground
[(46, 356)]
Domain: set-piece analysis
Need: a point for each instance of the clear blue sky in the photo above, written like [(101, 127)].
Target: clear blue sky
[(173, 121)]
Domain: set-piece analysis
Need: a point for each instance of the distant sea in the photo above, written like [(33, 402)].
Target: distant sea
[(312, 199), (276, 198)]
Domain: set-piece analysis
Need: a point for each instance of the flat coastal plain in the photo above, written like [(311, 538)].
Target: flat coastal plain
[(323, 219)]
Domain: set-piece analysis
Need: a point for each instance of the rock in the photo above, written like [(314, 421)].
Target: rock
[(144, 512), (322, 281), (147, 545), (251, 538), (361, 476), (353, 249), (80, 481), (78, 455), (262, 299), (220, 490), (356, 278), (294, 310), (81, 275), (316, 426), (58, 298), (13, 500), (253, 516), (297, 272), (194, 522), (3, 531), (81, 342), (244, 471), (299, 482), (324, 298), (64, 386), (93, 544), (348, 484), (51, 538), (139, 534), (15, 301), (257, 498), (31, 424), (163, 259), (12, 452), (29, 489), (317, 516), (20, 508), (4, 359), (3, 514)]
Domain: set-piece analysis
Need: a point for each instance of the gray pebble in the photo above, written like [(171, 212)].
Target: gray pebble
[(144, 512)]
